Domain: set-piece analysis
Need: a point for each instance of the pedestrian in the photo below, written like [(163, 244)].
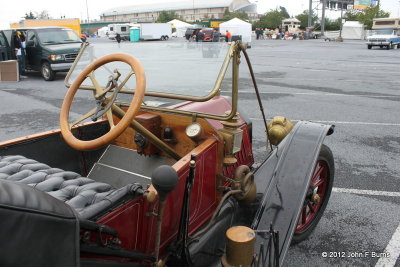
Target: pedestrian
[(20, 45), (257, 34), (228, 36), (216, 35), (118, 38), (200, 36)]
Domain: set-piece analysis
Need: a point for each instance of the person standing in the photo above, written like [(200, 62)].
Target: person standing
[(216, 35), (118, 38), (200, 36), (21, 54), (228, 36)]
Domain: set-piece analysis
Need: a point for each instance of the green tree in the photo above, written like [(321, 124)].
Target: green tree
[(29, 15), (239, 14), (284, 12), (332, 25), (367, 15), (44, 14), (272, 19), (166, 16), (303, 17), (351, 15)]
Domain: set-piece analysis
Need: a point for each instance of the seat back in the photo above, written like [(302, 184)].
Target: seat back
[(36, 228)]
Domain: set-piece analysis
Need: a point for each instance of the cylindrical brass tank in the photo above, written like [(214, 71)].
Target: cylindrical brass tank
[(239, 247)]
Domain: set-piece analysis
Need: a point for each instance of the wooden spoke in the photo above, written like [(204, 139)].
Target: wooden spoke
[(110, 118), (96, 84), (312, 208), (304, 215), (84, 117)]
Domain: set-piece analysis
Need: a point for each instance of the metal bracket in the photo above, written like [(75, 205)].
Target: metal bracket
[(268, 254)]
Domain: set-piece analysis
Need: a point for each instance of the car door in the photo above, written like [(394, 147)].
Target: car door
[(5, 50), (33, 51)]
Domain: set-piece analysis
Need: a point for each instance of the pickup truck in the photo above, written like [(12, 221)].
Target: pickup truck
[(388, 38)]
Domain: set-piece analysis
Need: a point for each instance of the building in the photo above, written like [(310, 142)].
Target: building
[(187, 10)]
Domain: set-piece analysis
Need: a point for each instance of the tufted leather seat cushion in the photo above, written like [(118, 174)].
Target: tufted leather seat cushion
[(86, 196)]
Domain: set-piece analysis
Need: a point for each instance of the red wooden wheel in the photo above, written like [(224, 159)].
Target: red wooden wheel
[(317, 197)]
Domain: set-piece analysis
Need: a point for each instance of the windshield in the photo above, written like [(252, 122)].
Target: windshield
[(383, 32), (57, 36), (184, 68)]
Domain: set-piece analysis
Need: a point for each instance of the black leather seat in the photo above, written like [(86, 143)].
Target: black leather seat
[(86, 196)]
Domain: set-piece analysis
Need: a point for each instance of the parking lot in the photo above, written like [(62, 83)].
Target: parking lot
[(334, 83)]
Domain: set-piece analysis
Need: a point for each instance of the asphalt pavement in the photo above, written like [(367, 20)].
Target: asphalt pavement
[(344, 84)]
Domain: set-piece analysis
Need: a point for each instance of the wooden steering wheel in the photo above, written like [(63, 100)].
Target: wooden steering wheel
[(99, 94)]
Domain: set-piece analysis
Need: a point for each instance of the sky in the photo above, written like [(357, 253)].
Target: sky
[(77, 8)]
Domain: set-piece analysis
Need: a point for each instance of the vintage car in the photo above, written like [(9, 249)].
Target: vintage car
[(164, 176)]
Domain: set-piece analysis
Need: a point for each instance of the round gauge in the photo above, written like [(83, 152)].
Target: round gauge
[(193, 130)]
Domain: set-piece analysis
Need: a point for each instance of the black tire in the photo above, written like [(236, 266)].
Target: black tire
[(166, 37), (47, 73), (369, 46), (325, 159)]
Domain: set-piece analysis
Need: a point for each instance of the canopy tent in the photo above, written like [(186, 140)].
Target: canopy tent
[(237, 27), (180, 27), (353, 30), (102, 32)]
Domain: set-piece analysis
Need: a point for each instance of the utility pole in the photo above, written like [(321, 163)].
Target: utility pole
[(323, 18), (87, 12), (341, 18), (310, 13)]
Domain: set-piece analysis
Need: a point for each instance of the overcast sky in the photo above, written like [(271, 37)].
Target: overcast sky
[(13, 12)]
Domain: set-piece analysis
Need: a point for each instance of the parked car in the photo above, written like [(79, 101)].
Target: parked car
[(48, 49), (5, 49), (171, 183)]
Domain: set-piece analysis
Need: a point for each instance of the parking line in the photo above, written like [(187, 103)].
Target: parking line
[(366, 192), (342, 122), (392, 250)]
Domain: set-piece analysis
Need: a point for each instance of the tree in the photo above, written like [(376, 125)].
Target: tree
[(239, 14), (43, 15), (166, 16), (332, 25), (351, 15), (303, 17), (29, 15), (272, 19), (367, 15), (284, 12)]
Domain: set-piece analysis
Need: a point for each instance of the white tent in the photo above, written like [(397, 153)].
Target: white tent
[(102, 32), (353, 30), (237, 27), (180, 27)]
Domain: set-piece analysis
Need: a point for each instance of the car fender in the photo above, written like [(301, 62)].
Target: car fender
[(283, 178)]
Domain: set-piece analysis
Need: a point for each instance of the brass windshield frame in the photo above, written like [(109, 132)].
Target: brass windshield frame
[(232, 54)]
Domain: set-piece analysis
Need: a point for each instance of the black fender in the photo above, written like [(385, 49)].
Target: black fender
[(282, 181)]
